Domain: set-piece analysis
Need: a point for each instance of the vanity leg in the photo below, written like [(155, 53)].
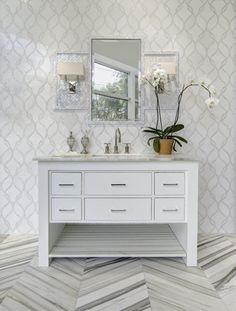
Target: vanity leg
[(191, 245), (47, 239), (187, 237), (190, 261), (43, 261), (43, 248), (192, 216), (187, 233)]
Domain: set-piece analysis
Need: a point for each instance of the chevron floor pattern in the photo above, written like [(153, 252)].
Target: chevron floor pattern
[(118, 284), (16, 252)]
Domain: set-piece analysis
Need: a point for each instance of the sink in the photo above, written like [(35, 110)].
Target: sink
[(70, 154), (105, 155), (118, 155)]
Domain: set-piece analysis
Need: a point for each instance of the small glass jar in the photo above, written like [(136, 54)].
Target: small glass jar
[(71, 142)]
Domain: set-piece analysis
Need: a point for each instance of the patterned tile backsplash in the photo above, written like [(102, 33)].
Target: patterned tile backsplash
[(32, 32)]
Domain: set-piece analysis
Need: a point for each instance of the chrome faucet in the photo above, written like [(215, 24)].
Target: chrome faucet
[(117, 133)]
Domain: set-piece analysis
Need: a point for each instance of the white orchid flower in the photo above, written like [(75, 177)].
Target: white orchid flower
[(143, 79), (155, 83), (212, 102), (212, 89), (157, 78), (156, 72), (159, 73)]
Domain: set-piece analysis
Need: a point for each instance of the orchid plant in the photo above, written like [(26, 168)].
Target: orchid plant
[(157, 79)]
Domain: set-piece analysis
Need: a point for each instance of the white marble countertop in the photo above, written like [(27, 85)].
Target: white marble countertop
[(77, 157)]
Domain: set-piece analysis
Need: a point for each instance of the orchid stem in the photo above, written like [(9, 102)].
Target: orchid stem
[(184, 88)]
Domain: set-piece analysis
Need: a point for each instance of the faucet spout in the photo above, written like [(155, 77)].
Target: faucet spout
[(117, 139)]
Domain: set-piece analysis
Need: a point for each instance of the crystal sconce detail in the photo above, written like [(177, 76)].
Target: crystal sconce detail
[(71, 73)]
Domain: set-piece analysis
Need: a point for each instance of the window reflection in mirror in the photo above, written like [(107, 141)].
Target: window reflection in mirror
[(115, 79)]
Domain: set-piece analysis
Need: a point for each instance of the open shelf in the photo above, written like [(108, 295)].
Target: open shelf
[(113, 240)]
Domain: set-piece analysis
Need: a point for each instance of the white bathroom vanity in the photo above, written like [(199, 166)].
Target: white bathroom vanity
[(117, 206)]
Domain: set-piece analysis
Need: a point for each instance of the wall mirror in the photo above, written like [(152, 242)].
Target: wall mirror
[(115, 79)]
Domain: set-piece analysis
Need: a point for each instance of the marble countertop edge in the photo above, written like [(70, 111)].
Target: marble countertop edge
[(67, 157)]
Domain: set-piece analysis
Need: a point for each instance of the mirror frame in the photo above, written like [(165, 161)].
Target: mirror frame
[(141, 101)]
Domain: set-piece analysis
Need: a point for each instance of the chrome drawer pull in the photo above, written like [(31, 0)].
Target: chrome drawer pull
[(118, 210), (170, 210), (66, 185), (170, 184), (66, 210), (119, 185)]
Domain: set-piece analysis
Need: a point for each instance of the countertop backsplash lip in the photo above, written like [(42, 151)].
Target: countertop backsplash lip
[(31, 127)]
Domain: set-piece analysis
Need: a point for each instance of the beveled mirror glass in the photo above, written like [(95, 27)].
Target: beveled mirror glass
[(115, 87)]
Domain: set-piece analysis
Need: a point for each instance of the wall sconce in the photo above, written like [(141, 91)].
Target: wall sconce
[(71, 73), (170, 69)]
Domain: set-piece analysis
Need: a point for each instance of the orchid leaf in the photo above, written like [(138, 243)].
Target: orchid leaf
[(148, 142), (178, 142), (180, 138), (151, 131), (153, 128), (173, 128), (156, 144)]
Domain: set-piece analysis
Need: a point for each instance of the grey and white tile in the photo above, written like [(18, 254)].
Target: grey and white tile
[(173, 286), (16, 251), (124, 284), (232, 238), (217, 258), (50, 288), (113, 284)]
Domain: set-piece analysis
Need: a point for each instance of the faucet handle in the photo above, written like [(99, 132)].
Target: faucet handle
[(127, 147), (107, 147)]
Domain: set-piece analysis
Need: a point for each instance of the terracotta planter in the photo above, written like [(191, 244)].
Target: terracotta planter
[(166, 146)]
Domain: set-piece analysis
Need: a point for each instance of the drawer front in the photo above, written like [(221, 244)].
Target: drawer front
[(169, 183), (118, 183), (167, 209), (119, 209), (64, 183), (65, 209)]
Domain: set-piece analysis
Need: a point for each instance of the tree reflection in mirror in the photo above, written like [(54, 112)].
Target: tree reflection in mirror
[(115, 79)]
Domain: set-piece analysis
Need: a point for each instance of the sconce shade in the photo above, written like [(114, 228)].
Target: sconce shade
[(169, 67), (70, 71)]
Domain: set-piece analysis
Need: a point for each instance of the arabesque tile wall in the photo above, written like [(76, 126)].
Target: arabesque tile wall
[(31, 32)]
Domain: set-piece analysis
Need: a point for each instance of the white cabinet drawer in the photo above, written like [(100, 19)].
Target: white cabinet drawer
[(118, 183), (65, 209), (167, 209), (117, 209), (66, 183), (169, 183)]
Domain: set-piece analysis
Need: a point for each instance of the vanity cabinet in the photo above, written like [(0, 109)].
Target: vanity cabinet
[(104, 207)]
